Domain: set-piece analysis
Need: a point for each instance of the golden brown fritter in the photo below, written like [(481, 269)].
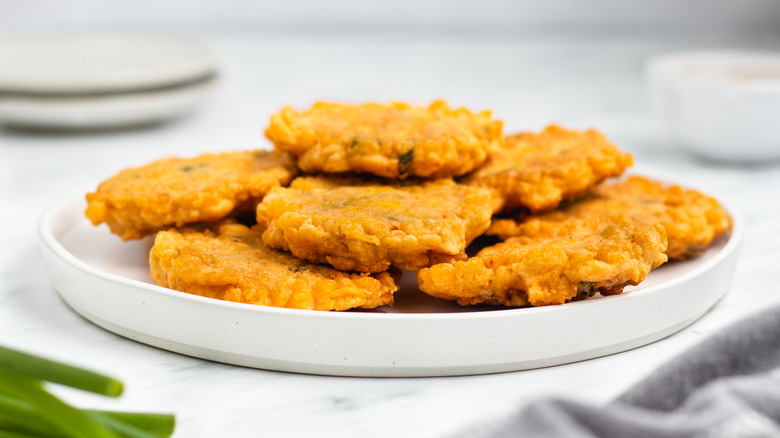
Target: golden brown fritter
[(370, 227), (692, 220), (174, 192), (538, 171), (234, 265), (543, 272), (392, 140)]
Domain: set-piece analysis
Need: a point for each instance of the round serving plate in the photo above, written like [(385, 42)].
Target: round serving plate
[(107, 281)]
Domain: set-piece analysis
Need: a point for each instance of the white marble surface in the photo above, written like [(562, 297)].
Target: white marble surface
[(528, 79)]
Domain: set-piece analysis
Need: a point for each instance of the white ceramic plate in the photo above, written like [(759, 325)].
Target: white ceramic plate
[(108, 111), (107, 281), (89, 62)]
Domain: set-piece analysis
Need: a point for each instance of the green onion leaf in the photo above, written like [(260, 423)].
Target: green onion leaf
[(38, 368), (404, 162), (69, 420), (28, 410), (12, 434), (19, 416), (160, 424)]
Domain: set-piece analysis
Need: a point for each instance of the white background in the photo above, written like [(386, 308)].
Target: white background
[(435, 15)]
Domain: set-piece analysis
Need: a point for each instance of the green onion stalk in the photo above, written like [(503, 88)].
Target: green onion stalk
[(27, 409)]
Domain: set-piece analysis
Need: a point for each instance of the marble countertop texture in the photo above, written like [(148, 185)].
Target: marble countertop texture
[(529, 80)]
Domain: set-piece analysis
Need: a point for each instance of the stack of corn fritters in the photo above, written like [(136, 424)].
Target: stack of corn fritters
[(355, 193)]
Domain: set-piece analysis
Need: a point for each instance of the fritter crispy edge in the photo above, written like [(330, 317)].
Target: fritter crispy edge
[(175, 192), (368, 228), (692, 220), (234, 265), (516, 273), (392, 140), (539, 171)]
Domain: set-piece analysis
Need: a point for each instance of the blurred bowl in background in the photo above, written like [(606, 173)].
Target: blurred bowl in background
[(101, 80), (718, 104)]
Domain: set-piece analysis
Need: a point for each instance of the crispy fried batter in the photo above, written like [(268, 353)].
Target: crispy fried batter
[(392, 140), (692, 220), (543, 272), (139, 201), (371, 226), (538, 171), (234, 265)]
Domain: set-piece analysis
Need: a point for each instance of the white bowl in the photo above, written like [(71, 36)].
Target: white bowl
[(723, 105)]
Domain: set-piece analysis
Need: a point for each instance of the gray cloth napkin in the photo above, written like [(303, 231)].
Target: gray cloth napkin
[(726, 386)]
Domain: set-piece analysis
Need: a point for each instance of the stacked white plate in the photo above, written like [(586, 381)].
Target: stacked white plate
[(89, 81)]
